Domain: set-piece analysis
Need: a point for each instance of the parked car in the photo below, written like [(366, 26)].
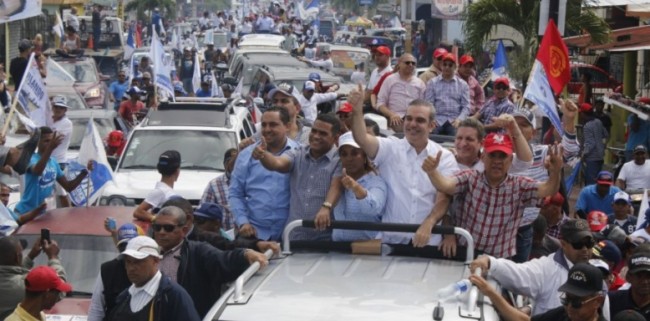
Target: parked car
[(345, 58), (601, 81), (247, 63), (84, 244), (89, 81), (277, 74), (200, 129)]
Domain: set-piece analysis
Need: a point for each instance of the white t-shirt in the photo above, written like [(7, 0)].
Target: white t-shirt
[(641, 234), (160, 194), (309, 107), (61, 127), (376, 75), (635, 176)]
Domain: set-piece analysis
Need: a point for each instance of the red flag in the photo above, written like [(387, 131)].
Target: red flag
[(554, 56)]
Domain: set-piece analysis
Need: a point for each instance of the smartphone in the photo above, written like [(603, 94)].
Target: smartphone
[(111, 223), (45, 235)]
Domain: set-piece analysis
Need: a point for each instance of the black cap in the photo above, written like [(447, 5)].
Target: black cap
[(575, 230), (24, 44), (169, 159), (640, 149), (584, 280), (628, 315), (639, 261)]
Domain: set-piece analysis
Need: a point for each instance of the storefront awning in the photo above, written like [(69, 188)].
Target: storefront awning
[(620, 38)]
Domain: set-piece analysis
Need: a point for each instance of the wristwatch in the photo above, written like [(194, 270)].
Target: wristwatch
[(327, 205)]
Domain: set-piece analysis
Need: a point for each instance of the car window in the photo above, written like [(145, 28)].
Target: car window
[(104, 127), (82, 72), (146, 146), (259, 81), (598, 76), (75, 101), (247, 128), (251, 122)]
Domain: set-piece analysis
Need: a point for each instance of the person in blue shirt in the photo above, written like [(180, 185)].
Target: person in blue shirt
[(43, 171), (205, 90), (258, 197), (638, 130), (364, 196), (156, 20), (597, 197), (117, 89)]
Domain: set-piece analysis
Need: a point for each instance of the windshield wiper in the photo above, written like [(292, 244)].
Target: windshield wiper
[(199, 167), (139, 167)]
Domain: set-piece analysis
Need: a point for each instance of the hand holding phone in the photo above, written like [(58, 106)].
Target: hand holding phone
[(45, 235)]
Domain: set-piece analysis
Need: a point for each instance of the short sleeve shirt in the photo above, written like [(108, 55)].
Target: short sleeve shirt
[(159, 195), (38, 188)]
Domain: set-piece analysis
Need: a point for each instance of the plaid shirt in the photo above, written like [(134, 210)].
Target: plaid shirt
[(493, 215), (217, 192), (554, 230), (495, 107), (449, 97), (476, 95)]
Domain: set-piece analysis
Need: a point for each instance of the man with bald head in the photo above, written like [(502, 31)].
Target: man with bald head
[(399, 90)]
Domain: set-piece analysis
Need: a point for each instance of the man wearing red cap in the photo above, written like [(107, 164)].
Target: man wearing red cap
[(493, 200), (436, 65), (449, 94), (595, 138), (496, 106), (345, 115), (43, 288), (382, 60), (476, 94), (399, 90)]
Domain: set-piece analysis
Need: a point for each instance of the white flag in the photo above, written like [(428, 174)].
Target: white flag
[(163, 65), (32, 95), (196, 77), (58, 29), (642, 209), (57, 75)]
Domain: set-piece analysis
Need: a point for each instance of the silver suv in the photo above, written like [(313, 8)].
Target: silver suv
[(200, 129)]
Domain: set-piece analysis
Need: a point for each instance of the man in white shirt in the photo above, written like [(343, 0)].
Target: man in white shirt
[(152, 295), (63, 127), (635, 174), (411, 195), (169, 166), (325, 62), (382, 60), (309, 100)]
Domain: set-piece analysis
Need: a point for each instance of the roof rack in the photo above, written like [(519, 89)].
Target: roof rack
[(206, 112)]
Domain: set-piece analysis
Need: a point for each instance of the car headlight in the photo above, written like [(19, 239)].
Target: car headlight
[(93, 93)]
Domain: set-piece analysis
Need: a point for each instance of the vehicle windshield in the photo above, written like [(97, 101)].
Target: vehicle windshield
[(82, 257), (75, 101), (199, 149), (82, 72), (103, 125)]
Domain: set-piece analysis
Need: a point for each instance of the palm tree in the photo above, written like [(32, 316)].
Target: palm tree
[(523, 15), (141, 6)]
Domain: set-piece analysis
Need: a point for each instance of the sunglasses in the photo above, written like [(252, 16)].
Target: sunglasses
[(451, 65), (580, 245), (576, 303), (411, 63), (167, 227)]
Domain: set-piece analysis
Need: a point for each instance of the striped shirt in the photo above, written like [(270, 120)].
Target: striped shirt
[(493, 215), (595, 135), (140, 297), (368, 209), (449, 97), (396, 94)]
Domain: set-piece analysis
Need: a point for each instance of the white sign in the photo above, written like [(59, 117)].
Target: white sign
[(448, 9)]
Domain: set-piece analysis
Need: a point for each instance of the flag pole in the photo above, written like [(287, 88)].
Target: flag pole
[(16, 93)]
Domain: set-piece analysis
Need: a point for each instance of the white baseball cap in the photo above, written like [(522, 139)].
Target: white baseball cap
[(347, 139), (140, 247)]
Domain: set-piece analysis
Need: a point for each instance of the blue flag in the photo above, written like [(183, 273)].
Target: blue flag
[(569, 181), (500, 65), (92, 149), (130, 44)]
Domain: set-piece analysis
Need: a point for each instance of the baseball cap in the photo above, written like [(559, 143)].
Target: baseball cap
[(146, 74), (574, 230), (134, 90), (170, 158), (345, 108), (383, 50), (622, 196), (309, 85), (284, 88), (44, 278), (25, 44), (466, 59), (60, 101), (347, 139), (210, 211), (586, 107), (629, 315), (639, 261), (179, 87), (601, 265), (526, 114), (608, 251), (502, 80), (556, 199), (449, 57), (128, 231), (497, 142), (597, 220), (640, 149), (439, 52), (140, 247), (584, 280), (314, 76), (605, 178)]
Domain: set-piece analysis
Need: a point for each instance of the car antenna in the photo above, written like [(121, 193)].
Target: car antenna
[(438, 312)]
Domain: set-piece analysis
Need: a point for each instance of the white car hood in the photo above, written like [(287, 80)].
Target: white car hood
[(138, 183)]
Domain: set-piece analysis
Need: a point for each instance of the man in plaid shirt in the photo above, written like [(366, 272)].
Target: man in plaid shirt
[(493, 200), (217, 189)]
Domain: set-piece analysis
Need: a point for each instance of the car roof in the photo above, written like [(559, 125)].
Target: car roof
[(261, 40), (342, 47), (261, 58), (295, 73), (95, 113), (78, 220)]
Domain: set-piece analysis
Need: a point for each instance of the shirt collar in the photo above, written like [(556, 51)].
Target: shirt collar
[(174, 249), (330, 154), (150, 287)]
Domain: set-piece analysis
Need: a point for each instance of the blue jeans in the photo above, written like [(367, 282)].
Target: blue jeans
[(524, 243), (591, 171), (445, 129)]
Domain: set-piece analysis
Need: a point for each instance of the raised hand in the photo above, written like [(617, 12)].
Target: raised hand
[(505, 121), (430, 163), (355, 98), (347, 181), (554, 160), (260, 149)]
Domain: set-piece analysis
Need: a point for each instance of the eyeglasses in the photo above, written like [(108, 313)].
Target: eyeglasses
[(418, 120), (167, 227), (575, 303), (411, 63), (590, 243)]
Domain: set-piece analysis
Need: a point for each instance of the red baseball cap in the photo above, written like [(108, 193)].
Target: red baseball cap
[(497, 142), (597, 221), (450, 57), (586, 107), (44, 278), (383, 50), (502, 80), (556, 199), (345, 108), (439, 52), (466, 59)]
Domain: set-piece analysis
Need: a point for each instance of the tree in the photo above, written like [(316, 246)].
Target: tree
[(523, 15), (141, 6)]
